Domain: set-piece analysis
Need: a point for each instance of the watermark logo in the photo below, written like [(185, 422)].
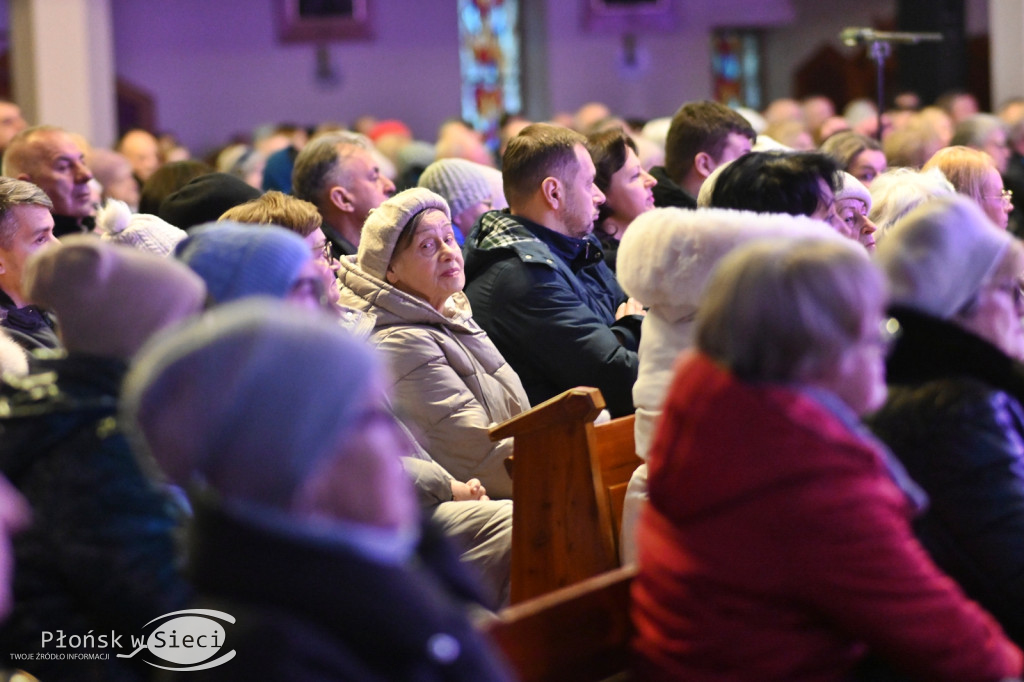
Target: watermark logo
[(187, 640)]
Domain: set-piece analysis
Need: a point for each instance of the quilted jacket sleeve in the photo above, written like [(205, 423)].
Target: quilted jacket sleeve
[(443, 412)]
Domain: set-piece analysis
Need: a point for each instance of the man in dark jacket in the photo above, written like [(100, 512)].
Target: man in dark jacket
[(26, 226), (702, 136), (100, 554), (337, 173), (536, 277)]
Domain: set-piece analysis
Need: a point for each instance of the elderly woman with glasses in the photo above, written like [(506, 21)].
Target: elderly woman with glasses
[(777, 543), (451, 383), (974, 174), (956, 386)]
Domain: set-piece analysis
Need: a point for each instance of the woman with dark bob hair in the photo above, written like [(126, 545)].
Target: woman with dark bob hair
[(777, 542), (625, 184), (797, 183)]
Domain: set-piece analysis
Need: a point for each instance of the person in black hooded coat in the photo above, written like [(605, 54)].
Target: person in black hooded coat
[(954, 413)]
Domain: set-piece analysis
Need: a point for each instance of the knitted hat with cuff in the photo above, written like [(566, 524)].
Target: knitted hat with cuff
[(237, 260), (385, 224), (460, 182)]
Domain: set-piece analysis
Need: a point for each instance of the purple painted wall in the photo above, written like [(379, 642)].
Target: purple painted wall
[(217, 67), (673, 67)]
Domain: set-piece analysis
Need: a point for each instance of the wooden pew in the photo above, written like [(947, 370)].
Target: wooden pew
[(570, 480), (579, 633)]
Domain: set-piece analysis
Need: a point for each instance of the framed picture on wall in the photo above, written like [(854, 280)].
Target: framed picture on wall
[(628, 15), (304, 21)]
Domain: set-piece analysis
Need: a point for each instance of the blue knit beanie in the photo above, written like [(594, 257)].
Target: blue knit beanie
[(239, 260), (258, 426)]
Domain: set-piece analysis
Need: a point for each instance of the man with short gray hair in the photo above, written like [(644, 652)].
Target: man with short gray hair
[(338, 173), (26, 226)]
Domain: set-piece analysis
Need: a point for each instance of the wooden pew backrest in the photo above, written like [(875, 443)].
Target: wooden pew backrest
[(579, 633), (569, 482), (615, 450)]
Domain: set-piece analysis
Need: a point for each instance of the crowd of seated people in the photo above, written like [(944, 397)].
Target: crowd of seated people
[(263, 383)]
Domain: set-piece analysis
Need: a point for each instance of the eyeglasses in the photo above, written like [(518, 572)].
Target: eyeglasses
[(1006, 196), (1015, 289), (885, 337), (324, 251)]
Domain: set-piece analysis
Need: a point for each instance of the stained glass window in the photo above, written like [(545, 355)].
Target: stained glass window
[(736, 68), (489, 59)]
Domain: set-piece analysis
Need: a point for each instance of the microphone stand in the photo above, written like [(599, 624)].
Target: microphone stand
[(881, 49), (879, 52)]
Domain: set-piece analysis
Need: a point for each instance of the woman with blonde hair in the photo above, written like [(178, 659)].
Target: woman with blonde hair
[(974, 174), (858, 155), (898, 191)]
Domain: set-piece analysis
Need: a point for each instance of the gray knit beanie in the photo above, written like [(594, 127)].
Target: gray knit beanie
[(385, 224), (939, 255), (237, 260), (460, 182), (248, 398)]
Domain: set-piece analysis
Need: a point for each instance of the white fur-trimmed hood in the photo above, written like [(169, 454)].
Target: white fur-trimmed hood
[(667, 255)]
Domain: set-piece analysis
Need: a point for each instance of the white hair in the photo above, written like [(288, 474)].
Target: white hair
[(898, 191)]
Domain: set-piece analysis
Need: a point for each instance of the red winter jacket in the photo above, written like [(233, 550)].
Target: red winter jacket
[(777, 547)]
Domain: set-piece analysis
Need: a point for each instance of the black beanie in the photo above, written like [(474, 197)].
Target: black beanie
[(205, 199)]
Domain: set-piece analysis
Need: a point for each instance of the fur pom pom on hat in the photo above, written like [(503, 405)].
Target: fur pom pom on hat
[(116, 223), (385, 224), (110, 299), (237, 260), (939, 255)]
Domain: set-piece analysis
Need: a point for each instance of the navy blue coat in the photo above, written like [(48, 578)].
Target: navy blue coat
[(548, 303)]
